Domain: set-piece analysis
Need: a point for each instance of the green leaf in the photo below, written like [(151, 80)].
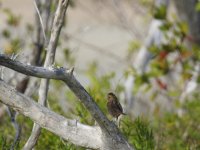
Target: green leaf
[(197, 7), (166, 26), (160, 12)]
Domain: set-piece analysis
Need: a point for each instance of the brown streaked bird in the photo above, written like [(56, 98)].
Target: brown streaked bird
[(113, 105)]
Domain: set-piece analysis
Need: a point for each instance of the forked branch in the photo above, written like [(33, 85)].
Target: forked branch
[(111, 132), (67, 129)]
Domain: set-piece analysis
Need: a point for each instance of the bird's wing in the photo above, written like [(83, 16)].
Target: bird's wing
[(118, 105)]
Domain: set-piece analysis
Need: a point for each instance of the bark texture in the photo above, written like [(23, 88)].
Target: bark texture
[(70, 130), (111, 136)]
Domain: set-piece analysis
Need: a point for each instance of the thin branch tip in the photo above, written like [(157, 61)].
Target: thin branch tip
[(71, 71)]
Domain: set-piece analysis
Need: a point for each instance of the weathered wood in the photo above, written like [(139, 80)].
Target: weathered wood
[(112, 138)]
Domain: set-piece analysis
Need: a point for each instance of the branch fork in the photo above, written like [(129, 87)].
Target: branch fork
[(110, 136)]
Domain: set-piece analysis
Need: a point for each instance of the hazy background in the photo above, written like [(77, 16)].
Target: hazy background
[(97, 30)]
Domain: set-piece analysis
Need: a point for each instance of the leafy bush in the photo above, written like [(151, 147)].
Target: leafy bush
[(139, 133), (174, 132)]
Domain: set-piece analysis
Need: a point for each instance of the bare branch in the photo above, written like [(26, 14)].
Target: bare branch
[(51, 50), (13, 115), (70, 130), (71, 71), (55, 33), (21, 87), (109, 129), (40, 17), (29, 70)]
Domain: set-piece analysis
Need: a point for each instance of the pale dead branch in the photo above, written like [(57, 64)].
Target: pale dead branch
[(111, 136), (51, 50), (70, 130), (41, 21)]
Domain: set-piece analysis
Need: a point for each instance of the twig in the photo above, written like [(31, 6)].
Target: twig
[(49, 60), (21, 87), (40, 17), (17, 127)]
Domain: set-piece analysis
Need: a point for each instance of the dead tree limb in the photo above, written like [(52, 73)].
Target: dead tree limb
[(70, 130), (51, 50), (111, 136)]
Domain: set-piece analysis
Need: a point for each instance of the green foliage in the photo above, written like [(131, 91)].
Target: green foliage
[(7, 132), (146, 2), (12, 19), (139, 133), (174, 132), (160, 12), (197, 7), (53, 101), (48, 140), (140, 80), (3, 143), (169, 131), (6, 33), (167, 56), (16, 44)]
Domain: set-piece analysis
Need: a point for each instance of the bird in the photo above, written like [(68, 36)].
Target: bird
[(114, 107)]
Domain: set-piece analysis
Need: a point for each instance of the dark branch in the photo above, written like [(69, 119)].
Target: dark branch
[(109, 128), (74, 85), (40, 72)]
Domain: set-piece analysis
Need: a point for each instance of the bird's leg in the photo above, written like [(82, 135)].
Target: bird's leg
[(114, 120), (118, 122)]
